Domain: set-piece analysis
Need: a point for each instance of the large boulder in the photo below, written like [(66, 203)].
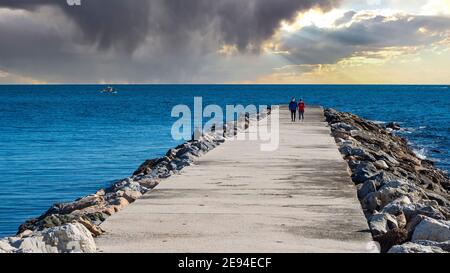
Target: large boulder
[(69, 238), (5, 246), (371, 202), (432, 230), (366, 188), (394, 126), (363, 172), (381, 223), (34, 244), (442, 245), (415, 248)]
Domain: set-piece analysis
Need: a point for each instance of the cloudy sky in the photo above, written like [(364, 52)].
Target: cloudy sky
[(225, 41)]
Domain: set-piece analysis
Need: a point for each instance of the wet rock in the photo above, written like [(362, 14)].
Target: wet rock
[(394, 126), (343, 126), (432, 230)]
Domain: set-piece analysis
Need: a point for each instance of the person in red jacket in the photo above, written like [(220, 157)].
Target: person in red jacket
[(301, 110)]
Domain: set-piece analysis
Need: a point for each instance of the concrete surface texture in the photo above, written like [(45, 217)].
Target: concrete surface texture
[(237, 198)]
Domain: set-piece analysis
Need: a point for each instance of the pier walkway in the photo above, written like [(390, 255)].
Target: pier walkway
[(237, 198)]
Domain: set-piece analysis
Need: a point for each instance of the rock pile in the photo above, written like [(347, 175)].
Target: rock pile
[(70, 227), (405, 199)]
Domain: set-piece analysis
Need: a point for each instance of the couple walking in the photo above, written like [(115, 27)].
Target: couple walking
[(293, 107)]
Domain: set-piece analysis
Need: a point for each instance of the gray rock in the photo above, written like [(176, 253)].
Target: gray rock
[(394, 126), (343, 126), (381, 155), (397, 206), (415, 248), (5, 247), (363, 154), (35, 244), (380, 223), (442, 245), (131, 195), (432, 230), (442, 201), (381, 164), (371, 202), (364, 172), (383, 177), (414, 209), (430, 211), (346, 150), (367, 187)]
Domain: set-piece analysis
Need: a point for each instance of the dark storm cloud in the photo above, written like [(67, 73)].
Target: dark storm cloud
[(126, 24), (134, 40), (119, 23), (314, 45)]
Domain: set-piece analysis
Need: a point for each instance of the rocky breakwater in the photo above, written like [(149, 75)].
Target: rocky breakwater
[(405, 199), (70, 227)]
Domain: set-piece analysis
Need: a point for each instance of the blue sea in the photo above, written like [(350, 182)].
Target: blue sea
[(60, 142)]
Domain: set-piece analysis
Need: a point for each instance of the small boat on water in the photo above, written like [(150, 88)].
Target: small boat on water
[(109, 90)]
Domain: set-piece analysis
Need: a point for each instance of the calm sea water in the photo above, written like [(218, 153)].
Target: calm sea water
[(60, 142)]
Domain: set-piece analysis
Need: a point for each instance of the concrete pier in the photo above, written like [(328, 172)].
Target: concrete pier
[(237, 198)]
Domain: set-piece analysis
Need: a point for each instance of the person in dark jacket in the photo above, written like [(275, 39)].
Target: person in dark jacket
[(293, 109), (301, 110)]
